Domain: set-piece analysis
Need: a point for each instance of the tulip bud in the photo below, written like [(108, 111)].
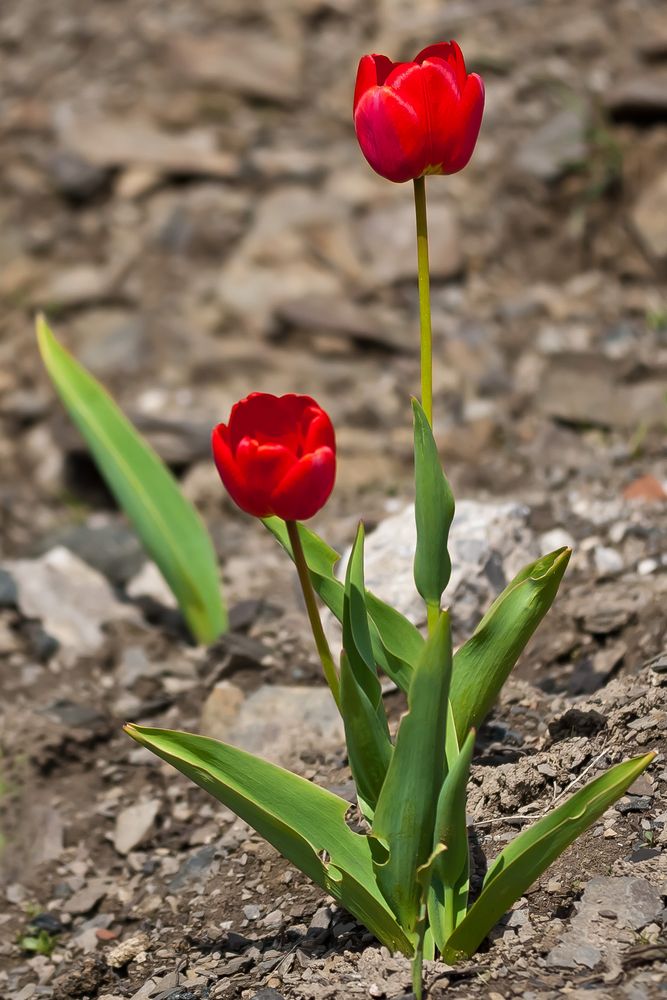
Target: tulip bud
[(420, 117), (277, 455)]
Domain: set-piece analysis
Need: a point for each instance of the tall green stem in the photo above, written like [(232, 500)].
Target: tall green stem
[(426, 337), (326, 658)]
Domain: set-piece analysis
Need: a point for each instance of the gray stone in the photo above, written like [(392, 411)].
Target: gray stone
[(243, 62), (134, 824), (593, 939), (197, 868), (641, 99), (555, 147), (649, 217), (75, 178), (71, 600), (386, 240), (278, 722), (110, 548), (117, 142)]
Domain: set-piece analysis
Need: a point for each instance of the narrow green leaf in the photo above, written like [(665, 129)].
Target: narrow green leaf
[(397, 643), (302, 821), (485, 661), (356, 633), (169, 527), (450, 819), (434, 512), (405, 812), (531, 853), (448, 897), (367, 737)]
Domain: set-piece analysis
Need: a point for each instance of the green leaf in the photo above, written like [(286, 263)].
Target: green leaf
[(405, 812), (367, 737), (356, 633), (448, 898), (434, 512), (169, 527), (302, 821), (397, 644), (485, 661), (531, 853)]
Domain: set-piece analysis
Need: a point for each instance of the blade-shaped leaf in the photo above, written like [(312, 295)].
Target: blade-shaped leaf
[(168, 526), (447, 899), (531, 853), (356, 633), (484, 662), (396, 642), (405, 812), (369, 747), (434, 511), (302, 821)]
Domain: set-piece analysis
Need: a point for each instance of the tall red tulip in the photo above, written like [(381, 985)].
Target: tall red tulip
[(277, 455), (419, 117)]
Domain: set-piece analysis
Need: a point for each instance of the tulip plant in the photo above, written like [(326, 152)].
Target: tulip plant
[(404, 869)]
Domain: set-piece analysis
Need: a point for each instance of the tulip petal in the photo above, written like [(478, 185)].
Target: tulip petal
[(320, 433), (268, 418), (468, 120), (451, 53), (372, 72), (306, 487), (231, 476), (389, 123)]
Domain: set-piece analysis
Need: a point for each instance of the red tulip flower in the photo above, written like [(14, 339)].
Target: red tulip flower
[(277, 455), (419, 117)]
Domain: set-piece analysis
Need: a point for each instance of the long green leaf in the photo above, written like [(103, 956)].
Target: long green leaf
[(531, 853), (397, 644), (485, 661), (169, 527), (448, 897), (434, 512), (405, 812), (356, 632), (302, 821), (369, 747)]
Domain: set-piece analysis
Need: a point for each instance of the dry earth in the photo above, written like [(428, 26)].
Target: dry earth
[(182, 192)]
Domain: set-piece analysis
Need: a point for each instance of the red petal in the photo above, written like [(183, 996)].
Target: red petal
[(372, 72), (451, 53), (306, 487), (268, 418), (231, 475), (392, 125), (467, 124), (320, 433)]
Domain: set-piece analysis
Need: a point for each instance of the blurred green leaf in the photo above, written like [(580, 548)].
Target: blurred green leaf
[(434, 512), (397, 644), (485, 661), (530, 854), (169, 527), (302, 821), (405, 812)]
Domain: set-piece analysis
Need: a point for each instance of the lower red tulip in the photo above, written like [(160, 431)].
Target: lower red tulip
[(420, 117), (277, 455)]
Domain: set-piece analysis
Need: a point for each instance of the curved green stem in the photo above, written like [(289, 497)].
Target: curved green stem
[(426, 338), (326, 658)]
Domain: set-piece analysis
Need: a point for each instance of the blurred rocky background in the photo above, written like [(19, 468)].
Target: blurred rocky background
[(182, 193)]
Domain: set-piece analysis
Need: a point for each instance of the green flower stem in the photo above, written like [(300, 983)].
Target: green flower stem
[(417, 964), (424, 300), (326, 658)]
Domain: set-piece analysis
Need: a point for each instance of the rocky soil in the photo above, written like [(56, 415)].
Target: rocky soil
[(182, 193)]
